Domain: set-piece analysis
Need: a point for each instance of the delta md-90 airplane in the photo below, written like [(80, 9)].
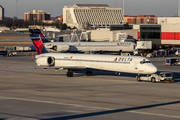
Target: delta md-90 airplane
[(85, 46), (90, 62)]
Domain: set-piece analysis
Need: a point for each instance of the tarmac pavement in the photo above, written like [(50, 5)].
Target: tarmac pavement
[(28, 94)]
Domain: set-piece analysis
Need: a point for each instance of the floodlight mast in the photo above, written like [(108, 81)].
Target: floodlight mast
[(17, 8), (123, 7), (123, 11)]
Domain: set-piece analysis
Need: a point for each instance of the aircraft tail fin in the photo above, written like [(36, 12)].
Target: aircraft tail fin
[(38, 44), (38, 32)]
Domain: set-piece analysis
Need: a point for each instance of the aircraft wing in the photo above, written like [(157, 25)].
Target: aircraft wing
[(62, 67)]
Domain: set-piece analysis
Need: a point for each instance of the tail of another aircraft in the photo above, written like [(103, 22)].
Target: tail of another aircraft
[(38, 32), (38, 44)]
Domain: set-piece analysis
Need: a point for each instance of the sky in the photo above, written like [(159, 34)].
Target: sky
[(164, 8)]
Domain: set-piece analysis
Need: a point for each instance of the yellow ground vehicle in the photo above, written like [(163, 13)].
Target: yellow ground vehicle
[(10, 50)]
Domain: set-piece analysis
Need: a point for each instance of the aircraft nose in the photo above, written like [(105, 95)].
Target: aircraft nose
[(154, 69)]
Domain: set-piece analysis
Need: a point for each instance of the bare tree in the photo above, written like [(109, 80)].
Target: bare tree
[(8, 22), (15, 18)]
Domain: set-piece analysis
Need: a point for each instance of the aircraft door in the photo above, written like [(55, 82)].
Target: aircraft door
[(136, 65), (141, 66)]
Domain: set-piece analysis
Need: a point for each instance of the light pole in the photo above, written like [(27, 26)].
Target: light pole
[(17, 8), (123, 7), (123, 11)]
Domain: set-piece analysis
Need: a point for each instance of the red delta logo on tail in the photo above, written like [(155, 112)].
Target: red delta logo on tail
[(38, 44), (38, 32)]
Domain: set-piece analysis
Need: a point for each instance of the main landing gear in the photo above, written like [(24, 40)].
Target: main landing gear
[(138, 78), (88, 73), (69, 73)]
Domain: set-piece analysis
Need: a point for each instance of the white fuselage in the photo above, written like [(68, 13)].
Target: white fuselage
[(129, 64), (93, 46)]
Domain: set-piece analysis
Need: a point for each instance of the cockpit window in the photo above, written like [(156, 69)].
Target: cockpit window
[(142, 62)]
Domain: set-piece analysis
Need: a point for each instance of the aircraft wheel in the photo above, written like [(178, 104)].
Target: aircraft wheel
[(69, 74), (101, 52), (120, 52), (138, 79), (89, 73), (153, 80)]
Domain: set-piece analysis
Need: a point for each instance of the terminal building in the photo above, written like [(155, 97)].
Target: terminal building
[(97, 15), (159, 34), (1, 13), (37, 15)]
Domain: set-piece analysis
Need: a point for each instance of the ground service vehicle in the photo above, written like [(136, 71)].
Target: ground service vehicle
[(6, 53), (162, 77), (172, 61), (143, 48), (3, 52), (177, 53), (160, 53), (10, 54), (33, 48), (10, 50)]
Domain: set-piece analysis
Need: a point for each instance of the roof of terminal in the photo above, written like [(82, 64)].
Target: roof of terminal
[(92, 5)]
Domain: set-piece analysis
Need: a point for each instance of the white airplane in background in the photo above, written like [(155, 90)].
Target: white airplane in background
[(88, 62), (85, 46)]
